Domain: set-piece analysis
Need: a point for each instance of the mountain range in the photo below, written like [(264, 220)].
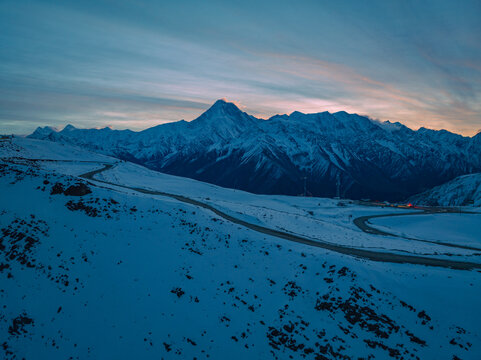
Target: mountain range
[(323, 154)]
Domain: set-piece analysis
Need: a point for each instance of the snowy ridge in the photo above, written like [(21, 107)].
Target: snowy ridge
[(228, 147), (461, 191)]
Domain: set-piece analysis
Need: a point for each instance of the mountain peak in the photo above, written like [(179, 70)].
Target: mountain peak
[(69, 127), (41, 132), (225, 119), (296, 113), (223, 104), (222, 110)]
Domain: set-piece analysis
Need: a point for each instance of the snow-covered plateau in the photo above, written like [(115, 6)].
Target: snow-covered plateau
[(105, 259)]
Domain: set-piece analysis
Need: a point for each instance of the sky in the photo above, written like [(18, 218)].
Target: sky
[(137, 64)]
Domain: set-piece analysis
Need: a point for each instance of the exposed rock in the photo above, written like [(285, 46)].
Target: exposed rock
[(18, 325), (57, 189), (78, 189)]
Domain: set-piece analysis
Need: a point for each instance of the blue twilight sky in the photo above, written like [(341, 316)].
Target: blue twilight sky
[(135, 64)]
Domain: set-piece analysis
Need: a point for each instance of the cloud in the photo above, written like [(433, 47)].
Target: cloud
[(136, 66)]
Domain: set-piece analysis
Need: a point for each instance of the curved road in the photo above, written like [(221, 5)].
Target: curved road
[(362, 223), (360, 253)]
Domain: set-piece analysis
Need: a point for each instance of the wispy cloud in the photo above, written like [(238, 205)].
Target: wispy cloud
[(142, 65)]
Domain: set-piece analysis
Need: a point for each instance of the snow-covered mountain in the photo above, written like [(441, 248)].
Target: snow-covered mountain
[(462, 191), (114, 272), (228, 147)]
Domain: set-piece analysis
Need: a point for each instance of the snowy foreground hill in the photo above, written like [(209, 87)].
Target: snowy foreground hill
[(228, 147), (91, 270), (461, 191)]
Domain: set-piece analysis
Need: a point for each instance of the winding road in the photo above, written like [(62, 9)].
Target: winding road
[(356, 252), (362, 223)]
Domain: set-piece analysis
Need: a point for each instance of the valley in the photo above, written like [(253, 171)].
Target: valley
[(154, 265)]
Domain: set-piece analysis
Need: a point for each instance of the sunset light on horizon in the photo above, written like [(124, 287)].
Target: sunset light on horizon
[(141, 64)]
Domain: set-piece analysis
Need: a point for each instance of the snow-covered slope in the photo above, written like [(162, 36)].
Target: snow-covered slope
[(228, 147), (457, 228), (120, 274), (38, 149), (461, 191)]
